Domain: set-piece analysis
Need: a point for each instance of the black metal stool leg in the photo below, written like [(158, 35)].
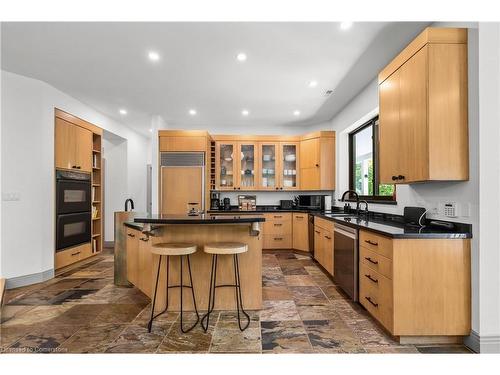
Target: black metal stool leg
[(211, 294), (239, 300), (150, 324), (192, 291)]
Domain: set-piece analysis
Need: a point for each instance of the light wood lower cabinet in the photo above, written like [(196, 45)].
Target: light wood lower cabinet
[(72, 255), (132, 255), (301, 232), (418, 289), (278, 231), (323, 243)]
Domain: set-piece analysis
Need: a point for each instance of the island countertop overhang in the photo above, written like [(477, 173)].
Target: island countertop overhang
[(198, 219)]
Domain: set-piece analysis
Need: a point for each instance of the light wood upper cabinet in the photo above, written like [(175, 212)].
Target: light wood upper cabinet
[(225, 165), (289, 165), (248, 166), (423, 110), (269, 165), (73, 146), (317, 161)]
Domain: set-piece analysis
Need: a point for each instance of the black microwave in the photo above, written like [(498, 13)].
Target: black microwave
[(312, 202)]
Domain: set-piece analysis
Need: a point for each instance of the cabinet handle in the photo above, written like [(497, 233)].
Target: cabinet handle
[(277, 188), (371, 260), (73, 254), (144, 239), (370, 300), (394, 178), (317, 165), (371, 278), (328, 237), (299, 217), (239, 188), (371, 242), (278, 238), (400, 177), (278, 225), (277, 216), (316, 231), (281, 188), (131, 235)]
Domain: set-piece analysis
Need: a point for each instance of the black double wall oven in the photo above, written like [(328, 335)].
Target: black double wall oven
[(73, 209)]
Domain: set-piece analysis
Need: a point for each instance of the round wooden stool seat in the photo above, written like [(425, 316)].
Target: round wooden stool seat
[(225, 248), (173, 249)]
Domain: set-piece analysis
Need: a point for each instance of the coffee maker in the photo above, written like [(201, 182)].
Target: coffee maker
[(214, 200)]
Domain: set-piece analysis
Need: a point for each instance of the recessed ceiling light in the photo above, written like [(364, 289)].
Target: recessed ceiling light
[(245, 112), (296, 113), (192, 112), (123, 111), (241, 57), (153, 55), (345, 25), (313, 83)]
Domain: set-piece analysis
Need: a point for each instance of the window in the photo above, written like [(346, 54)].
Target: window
[(363, 155)]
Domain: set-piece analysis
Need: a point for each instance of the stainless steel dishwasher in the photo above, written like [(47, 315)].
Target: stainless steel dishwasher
[(345, 258)]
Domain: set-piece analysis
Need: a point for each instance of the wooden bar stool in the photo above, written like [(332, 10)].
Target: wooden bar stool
[(225, 248), (168, 250)]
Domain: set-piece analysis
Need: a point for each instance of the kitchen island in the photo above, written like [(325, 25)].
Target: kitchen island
[(142, 265)]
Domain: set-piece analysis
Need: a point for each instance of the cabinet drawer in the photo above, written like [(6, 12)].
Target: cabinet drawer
[(66, 257), (380, 244), (276, 241), (375, 294), (323, 223), (278, 227), (280, 216), (375, 261)]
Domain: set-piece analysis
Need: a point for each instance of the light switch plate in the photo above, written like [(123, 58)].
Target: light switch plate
[(10, 197)]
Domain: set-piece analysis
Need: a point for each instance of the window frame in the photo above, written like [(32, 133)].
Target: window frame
[(375, 198)]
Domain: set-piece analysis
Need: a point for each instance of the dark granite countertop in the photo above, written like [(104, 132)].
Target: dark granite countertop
[(385, 224), (399, 230), (198, 219), (133, 225)]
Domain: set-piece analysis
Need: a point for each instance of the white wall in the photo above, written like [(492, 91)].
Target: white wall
[(489, 190), (27, 238), (115, 180)]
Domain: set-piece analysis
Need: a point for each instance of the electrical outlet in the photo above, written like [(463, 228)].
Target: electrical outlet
[(9, 197)]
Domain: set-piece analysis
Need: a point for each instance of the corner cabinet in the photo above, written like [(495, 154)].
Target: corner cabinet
[(317, 162), (423, 133)]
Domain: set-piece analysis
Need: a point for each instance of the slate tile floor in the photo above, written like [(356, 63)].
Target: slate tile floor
[(81, 311)]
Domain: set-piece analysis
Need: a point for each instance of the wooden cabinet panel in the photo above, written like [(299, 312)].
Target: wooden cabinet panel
[(72, 255), (133, 256), (324, 223), (277, 227), (277, 241), (376, 261), (317, 161), (247, 170), (389, 144), (225, 165), (145, 261), (301, 232), (423, 110), (73, 146), (413, 136), (183, 143), (282, 216), (269, 166), (289, 166), (323, 248), (377, 243)]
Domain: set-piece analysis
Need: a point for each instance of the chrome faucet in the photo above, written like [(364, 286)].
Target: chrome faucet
[(131, 204), (357, 199)]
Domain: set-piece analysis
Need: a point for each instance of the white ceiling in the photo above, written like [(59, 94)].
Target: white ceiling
[(106, 66)]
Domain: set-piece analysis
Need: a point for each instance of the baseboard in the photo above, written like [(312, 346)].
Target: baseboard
[(483, 344), (110, 244), (34, 278)]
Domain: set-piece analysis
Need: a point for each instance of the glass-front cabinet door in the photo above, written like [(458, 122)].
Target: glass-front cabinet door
[(268, 178), (289, 162), (225, 167), (248, 166)]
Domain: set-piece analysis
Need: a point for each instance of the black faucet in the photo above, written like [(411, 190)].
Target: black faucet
[(357, 199), (131, 204)]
